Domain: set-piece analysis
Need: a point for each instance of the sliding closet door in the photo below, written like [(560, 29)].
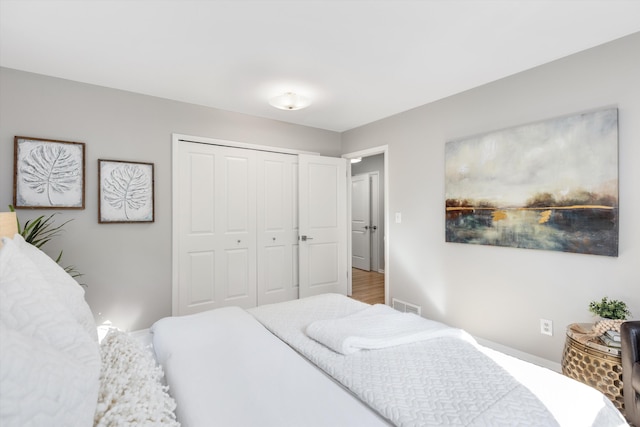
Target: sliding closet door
[(217, 227), (323, 225), (277, 209)]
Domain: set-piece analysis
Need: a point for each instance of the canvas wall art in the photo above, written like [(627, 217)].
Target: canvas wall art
[(551, 185), (48, 174), (125, 191)]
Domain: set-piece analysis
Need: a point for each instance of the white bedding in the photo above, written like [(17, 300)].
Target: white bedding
[(376, 327), (225, 369), (49, 355), (442, 381)]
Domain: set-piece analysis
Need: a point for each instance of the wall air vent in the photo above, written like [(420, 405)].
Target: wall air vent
[(405, 307)]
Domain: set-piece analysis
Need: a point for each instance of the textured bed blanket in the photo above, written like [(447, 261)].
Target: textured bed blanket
[(440, 381), (225, 369), (375, 327)]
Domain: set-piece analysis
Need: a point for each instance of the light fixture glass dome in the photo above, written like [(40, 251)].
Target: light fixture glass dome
[(290, 101)]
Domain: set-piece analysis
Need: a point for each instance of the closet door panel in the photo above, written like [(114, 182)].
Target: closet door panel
[(201, 274), (236, 208), (275, 193), (323, 225), (274, 274), (239, 209), (196, 244), (202, 195), (276, 231), (324, 270), (216, 221), (238, 275)]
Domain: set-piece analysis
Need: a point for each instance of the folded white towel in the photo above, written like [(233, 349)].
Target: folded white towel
[(376, 327)]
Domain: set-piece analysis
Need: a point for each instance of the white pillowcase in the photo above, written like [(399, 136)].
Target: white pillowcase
[(49, 363), (67, 290), (131, 389)]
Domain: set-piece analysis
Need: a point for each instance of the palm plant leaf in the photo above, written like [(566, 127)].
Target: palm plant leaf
[(39, 231)]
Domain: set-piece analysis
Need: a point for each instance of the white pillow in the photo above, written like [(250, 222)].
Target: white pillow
[(49, 365), (131, 389), (66, 289)]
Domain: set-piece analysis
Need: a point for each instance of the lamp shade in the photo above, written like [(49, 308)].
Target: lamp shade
[(8, 225), (290, 101)]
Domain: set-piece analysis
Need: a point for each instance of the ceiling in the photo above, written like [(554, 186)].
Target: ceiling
[(359, 61)]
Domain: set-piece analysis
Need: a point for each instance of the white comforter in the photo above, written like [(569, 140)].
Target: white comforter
[(225, 369), (440, 381)]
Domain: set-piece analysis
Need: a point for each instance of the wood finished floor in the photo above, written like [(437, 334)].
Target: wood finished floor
[(367, 286)]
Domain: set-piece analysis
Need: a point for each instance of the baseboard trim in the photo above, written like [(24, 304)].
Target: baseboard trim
[(545, 363)]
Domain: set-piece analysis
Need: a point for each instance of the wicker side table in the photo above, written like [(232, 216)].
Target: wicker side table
[(594, 364)]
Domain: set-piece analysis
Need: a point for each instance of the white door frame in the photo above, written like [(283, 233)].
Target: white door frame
[(383, 149)]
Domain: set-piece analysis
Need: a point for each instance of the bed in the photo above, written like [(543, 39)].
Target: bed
[(243, 375), (408, 371), (321, 361)]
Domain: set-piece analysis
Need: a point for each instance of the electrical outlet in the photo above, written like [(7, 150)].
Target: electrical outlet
[(546, 327)]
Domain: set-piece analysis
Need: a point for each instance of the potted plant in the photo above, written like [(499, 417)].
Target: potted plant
[(39, 231), (611, 312)]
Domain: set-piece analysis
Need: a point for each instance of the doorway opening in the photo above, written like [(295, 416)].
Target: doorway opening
[(368, 225), (367, 286)]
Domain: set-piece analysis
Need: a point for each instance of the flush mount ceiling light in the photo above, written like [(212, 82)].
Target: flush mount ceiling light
[(356, 160), (290, 101)]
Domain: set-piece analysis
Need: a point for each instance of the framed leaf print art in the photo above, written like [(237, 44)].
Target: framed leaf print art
[(48, 174), (126, 191)]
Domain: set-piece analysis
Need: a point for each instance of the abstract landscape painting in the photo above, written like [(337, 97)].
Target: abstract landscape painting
[(551, 185)]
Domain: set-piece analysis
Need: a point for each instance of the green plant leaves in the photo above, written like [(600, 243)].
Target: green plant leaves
[(40, 230), (609, 309)]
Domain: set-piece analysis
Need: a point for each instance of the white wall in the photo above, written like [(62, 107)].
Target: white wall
[(496, 293), (127, 267), (501, 293)]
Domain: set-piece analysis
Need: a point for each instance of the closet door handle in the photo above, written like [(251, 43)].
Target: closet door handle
[(305, 238)]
